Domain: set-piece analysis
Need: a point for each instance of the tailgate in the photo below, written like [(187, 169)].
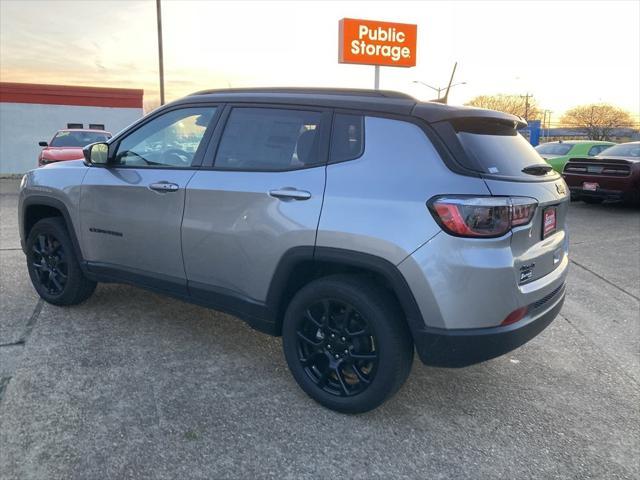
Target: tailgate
[(537, 254)]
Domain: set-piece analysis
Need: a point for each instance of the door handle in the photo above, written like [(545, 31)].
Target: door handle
[(164, 187), (288, 193)]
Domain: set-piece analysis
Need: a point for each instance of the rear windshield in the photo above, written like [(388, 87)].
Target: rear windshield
[(623, 150), (554, 148), (497, 149), (67, 138)]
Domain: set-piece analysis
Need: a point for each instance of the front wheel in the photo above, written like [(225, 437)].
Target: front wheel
[(53, 267), (347, 343)]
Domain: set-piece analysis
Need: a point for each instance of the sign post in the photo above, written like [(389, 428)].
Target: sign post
[(370, 42)]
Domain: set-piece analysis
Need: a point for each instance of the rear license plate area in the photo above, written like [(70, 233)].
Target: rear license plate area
[(549, 221), (590, 186)]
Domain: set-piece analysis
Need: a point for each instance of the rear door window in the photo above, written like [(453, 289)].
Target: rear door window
[(270, 139)]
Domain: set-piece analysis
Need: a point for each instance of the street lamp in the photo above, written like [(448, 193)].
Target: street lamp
[(439, 89)]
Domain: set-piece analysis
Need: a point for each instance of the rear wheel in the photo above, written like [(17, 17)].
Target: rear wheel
[(346, 343), (53, 267)]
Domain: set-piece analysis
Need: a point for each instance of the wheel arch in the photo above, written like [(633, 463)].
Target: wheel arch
[(37, 207), (300, 265)]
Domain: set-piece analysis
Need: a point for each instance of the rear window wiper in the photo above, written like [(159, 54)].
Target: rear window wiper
[(537, 169)]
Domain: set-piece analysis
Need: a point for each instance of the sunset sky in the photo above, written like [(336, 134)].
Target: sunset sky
[(564, 53)]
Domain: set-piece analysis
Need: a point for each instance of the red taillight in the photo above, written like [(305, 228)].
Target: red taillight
[(515, 316), (522, 210), (482, 216)]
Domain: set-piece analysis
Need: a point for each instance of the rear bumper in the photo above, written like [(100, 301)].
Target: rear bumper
[(609, 188), (462, 347), (605, 194)]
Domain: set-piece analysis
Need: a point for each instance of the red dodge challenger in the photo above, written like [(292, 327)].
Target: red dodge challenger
[(614, 174), (68, 145)]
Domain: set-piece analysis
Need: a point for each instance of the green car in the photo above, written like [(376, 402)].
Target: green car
[(557, 154)]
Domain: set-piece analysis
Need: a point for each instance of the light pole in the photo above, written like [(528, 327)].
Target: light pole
[(439, 89), (546, 122), (160, 59)]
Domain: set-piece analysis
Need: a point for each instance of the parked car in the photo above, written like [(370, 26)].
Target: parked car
[(68, 144), (557, 154), (357, 224), (614, 174)]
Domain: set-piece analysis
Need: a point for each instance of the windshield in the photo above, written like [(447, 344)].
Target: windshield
[(622, 150), (67, 138), (554, 148)]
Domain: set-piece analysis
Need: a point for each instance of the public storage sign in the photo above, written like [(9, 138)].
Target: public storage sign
[(370, 42)]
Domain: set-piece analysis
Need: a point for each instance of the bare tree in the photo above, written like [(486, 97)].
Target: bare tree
[(597, 120), (521, 105)]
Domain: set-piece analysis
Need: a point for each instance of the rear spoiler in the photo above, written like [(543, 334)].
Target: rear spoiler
[(435, 112)]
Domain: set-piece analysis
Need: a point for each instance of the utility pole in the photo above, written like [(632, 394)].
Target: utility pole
[(160, 59), (526, 105)]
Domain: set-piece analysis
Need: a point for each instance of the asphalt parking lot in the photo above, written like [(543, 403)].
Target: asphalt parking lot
[(134, 385)]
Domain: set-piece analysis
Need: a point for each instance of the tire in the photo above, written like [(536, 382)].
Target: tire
[(53, 267), (592, 200), (358, 355)]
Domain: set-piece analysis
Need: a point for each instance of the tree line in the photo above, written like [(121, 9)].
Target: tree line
[(596, 120)]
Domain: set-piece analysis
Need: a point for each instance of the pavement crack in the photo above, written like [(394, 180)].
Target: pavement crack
[(9, 249), (28, 328), (12, 344), (605, 280)]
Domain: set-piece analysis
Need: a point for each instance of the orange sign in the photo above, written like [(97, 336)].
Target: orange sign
[(377, 43)]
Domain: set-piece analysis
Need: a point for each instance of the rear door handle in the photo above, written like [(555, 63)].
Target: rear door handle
[(288, 193), (164, 187)]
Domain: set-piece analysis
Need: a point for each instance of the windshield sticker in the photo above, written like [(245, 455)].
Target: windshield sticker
[(493, 170), (62, 134)]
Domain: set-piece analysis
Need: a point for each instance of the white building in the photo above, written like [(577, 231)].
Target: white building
[(30, 113)]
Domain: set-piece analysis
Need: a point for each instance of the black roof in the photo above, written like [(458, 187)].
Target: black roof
[(383, 101)]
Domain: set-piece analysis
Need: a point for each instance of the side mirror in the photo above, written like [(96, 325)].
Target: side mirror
[(43, 144), (96, 153)]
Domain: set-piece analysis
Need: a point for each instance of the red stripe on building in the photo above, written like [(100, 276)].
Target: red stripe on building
[(70, 95)]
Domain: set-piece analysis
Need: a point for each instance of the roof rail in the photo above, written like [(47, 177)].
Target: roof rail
[(361, 92)]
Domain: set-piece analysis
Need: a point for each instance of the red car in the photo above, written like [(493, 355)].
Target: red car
[(68, 144), (614, 174)]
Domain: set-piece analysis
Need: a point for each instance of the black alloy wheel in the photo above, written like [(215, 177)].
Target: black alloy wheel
[(347, 342), (337, 348), (53, 266), (50, 263)]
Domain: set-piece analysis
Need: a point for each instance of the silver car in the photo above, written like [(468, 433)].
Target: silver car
[(356, 224)]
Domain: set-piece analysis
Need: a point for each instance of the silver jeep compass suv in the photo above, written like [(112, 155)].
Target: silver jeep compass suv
[(356, 224)]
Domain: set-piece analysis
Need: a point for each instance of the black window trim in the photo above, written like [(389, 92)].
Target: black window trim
[(214, 143), (114, 142), (362, 129), (450, 153)]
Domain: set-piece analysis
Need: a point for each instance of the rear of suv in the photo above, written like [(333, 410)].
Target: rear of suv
[(359, 225)]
